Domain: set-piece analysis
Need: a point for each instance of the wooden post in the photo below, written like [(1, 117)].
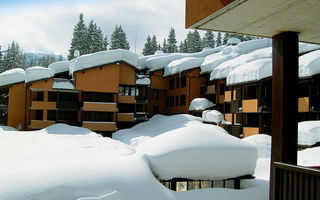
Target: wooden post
[(284, 101)]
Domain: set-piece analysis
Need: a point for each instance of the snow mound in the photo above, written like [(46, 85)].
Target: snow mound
[(158, 52), (12, 76), (59, 67), (103, 58), (251, 45), (38, 73), (200, 104), (262, 142), (222, 71), (64, 129), (180, 65), (308, 133), (252, 71), (7, 128), (212, 61), (159, 62), (233, 41), (199, 152), (143, 80), (212, 116), (309, 157), (62, 84), (142, 64), (306, 47), (309, 64)]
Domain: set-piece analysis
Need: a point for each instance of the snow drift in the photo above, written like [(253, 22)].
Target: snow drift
[(12, 76), (38, 73), (200, 104)]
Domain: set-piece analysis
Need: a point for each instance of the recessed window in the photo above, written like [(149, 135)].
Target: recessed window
[(155, 94), (170, 101), (177, 100), (171, 84), (178, 82), (183, 82), (155, 110), (183, 100), (221, 89)]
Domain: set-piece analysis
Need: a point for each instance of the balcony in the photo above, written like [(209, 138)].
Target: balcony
[(248, 131), (126, 99), (250, 106), (125, 117), (68, 105), (141, 99), (43, 105), (40, 124), (100, 126), (303, 104), (99, 106)]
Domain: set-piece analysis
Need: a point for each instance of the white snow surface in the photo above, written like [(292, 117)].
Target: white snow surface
[(309, 64), (143, 80), (252, 71), (212, 116), (62, 84), (262, 142), (38, 73), (307, 47), (252, 45), (180, 65), (222, 71), (61, 66), (12, 76), (7, 128), (103, 58), (233, 41), (309, 157), (200, 104), (308, 133), (209, 146)]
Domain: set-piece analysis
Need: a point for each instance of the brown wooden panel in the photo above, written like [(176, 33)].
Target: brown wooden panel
[(250, 106), (227, 96), (211, 89), (38, 124), (228, 117), (125, 117), (126, 99), (303, 104), (248, 131), (100, 126), (234, 94), (102, 107), (196, 11), (42, 105)]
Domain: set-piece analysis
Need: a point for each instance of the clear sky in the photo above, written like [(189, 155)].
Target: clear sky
[(46, 26)]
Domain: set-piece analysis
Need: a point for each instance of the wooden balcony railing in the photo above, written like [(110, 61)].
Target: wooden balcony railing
[(248, 131), (100, 126), (125, 117), (303, 104), (211, 89), (126, 99), (43, 105), (99, 106), (227, 96), (40, 124), (250, 106), (295, 182)]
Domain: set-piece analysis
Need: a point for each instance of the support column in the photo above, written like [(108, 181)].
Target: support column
[(284, 100)]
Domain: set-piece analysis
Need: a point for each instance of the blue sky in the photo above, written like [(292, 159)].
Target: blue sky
[(46, 26)]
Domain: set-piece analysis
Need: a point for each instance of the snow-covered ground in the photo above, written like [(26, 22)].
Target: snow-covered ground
[(65, 162)]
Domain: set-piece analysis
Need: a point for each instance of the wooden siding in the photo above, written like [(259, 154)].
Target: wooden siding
[(43, 105), (125, 117), (211, 89), (248, 131), (227, 96), (102, 107), (126, 99), (303, 104), (250, 106)]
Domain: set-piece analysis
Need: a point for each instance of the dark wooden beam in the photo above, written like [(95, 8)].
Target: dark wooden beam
[(284, 100)]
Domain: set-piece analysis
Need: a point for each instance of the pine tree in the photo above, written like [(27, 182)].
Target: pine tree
[(119, 39), (208, 40), (13, 58), (189, 42), (154, 46), (197, 43), (159, 46), (60, 58), (105, 43), (225, 38), (147, 47), (79, 38), (183, 46), (172, 42), (94, 38), (218, 42), (164, 45), (0, 57)]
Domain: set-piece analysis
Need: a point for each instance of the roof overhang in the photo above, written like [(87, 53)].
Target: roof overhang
[(264, 18)]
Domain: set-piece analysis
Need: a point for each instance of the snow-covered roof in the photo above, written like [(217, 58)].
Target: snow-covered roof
[(252, 45), (12, 76), (143, 80), (61, 66), (212, 116), (222, 71), (180, 65), (62, 84), (262, 142), (307, 47), (309, 64), (250, 72), (308, 133), (212, 61), (102, 58), (200, 104), (38, 73)]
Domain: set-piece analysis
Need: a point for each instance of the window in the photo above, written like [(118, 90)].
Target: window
[(133, 91), (183, 100), (121, 90), (221, 89), (183, 82), (155, 94), (170, 101), (171, 84), (127, 90), (40, 96), (178, 82), (95, 97), (155, 110), (177, 100)]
